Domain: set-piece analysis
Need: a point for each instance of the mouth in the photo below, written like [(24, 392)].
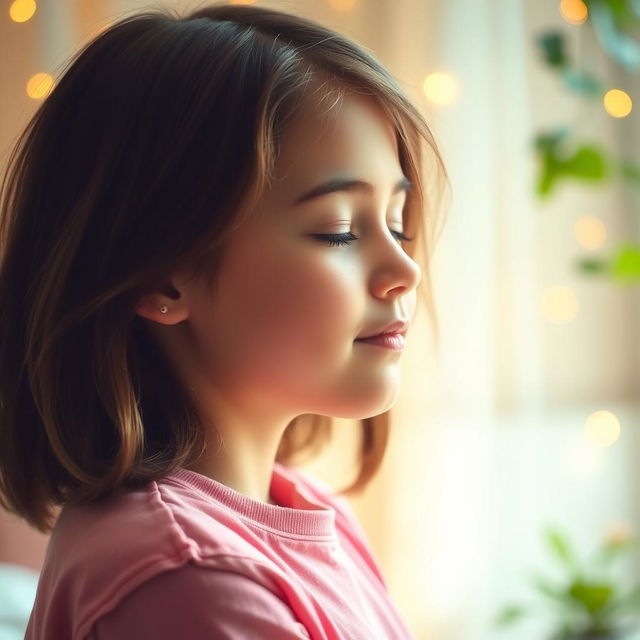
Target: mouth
[(397, 328), (394, 341)]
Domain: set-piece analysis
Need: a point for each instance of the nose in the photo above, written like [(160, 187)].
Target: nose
[(392, 268)]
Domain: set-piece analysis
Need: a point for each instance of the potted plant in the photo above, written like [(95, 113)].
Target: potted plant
[(587, 604)]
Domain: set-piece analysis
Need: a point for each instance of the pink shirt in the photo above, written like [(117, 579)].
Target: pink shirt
[(188, 557)]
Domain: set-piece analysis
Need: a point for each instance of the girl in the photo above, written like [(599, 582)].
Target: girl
[(200, 226)]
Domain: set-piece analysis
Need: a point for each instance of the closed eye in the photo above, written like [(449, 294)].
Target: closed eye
[(336, 239)]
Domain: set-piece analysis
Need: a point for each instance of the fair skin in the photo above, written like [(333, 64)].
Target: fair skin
[(277, 340)]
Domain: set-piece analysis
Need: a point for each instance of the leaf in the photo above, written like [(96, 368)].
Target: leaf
[(621, 47), (549, 141), (593, 596), (630, 171), (592, 266), (619, 8), (588, 163), (625, 265), (583, 83), (553, 50), (545, 183), (509, 614), (560, 547)]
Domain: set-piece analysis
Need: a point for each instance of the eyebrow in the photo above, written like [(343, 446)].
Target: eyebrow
[(346, 184)]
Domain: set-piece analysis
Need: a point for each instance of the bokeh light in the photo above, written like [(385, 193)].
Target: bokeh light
[(602, 428), (617, 103), (574, 11), (22, 10), (39, 85), (559, 305), (440, 88), (590, 232)]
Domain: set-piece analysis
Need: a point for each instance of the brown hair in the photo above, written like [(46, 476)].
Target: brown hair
[(158, 121)]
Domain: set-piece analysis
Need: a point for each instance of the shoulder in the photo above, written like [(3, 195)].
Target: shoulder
[(118, 528), (199, 602), (163, 520), (102, 552)]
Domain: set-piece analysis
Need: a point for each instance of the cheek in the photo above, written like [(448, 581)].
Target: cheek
[(294, 303)]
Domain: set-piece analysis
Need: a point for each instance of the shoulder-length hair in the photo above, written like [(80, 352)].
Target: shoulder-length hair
[(156, 143)]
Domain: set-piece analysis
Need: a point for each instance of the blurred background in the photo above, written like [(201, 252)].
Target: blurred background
[(509, 501)]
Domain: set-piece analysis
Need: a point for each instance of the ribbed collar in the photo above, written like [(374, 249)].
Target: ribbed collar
[(297, 513)]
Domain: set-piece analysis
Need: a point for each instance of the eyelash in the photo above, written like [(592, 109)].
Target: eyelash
[(341, 239)]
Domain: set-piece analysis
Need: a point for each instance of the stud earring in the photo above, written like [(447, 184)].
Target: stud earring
[(164, 308)]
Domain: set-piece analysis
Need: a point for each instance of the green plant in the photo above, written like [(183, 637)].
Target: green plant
[(560, 156), (587, 604)]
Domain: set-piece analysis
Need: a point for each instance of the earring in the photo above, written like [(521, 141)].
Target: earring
[(164, 308)]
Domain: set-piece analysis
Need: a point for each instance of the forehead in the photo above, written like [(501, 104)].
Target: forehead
[(354, 138)]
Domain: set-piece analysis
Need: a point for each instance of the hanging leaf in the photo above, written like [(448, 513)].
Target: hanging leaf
[(587, 163), (625, 265), (548, 141), (621, 47), (553, 49), (547, 178), (546, 145), (625, 12), (592, 266), (583, 83)]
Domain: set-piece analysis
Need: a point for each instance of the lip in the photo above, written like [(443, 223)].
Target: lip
[(398, 327), (393, 341)]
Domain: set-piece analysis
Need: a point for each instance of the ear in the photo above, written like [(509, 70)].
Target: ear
[(149, 306)]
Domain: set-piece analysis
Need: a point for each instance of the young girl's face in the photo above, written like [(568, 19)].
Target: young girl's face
[(277, 339)]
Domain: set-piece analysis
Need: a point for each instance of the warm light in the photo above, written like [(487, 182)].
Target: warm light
[(574, 11), (39, 85), (617, 103), (590, 232), (602, 429), (559, 305), (242, 1), (582, 458), (440, 88), (342, 5), (22, 10)]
